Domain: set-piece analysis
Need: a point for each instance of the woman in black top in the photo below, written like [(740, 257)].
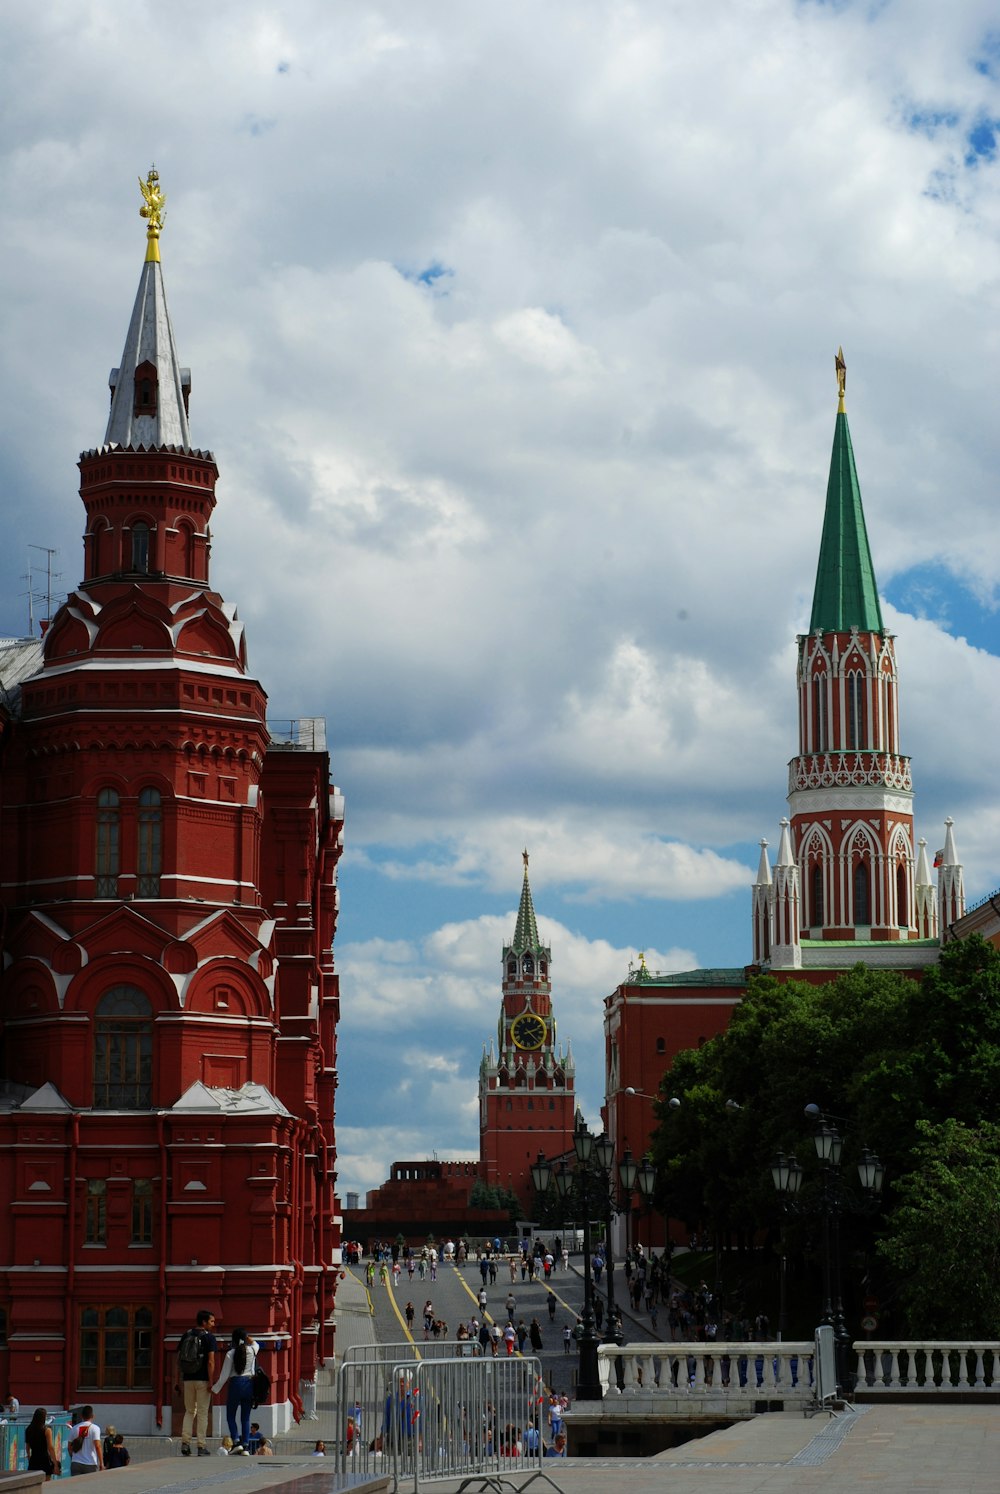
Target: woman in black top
[(38, 1441)]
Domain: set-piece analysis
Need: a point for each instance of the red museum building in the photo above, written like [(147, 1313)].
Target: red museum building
[(168, 998)]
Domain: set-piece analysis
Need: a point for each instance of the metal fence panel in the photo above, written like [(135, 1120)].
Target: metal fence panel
[(441, 1418), (412, 1350)]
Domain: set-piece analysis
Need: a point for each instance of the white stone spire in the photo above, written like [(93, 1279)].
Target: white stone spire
[(925, 896), (763, 900), (786, 950), (951, 883)]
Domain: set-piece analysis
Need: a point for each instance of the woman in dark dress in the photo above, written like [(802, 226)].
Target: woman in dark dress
[(535, 1335), (38, 1441)]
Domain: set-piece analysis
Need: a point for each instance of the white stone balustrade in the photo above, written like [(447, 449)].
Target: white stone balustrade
[(929, 1367), (710, 1376)]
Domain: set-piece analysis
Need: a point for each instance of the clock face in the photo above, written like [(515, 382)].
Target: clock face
[(528, 1030)]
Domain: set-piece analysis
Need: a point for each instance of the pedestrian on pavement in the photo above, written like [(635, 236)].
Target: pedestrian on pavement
[(551, 1303), (510, 1338), (409, 1312), (118, 1454), (567, 1339), (238, 1370), (428, 1317), (535, 1335), (85, 1454), (482, 1299), (196, 1353), (38, 1441), (510, 1305), (522, 1334)]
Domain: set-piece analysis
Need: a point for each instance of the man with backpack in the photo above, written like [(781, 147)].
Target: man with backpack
[(85, 1454), (196, 1369)]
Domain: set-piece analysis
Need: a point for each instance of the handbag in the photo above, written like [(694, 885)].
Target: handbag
[(261, 1386)]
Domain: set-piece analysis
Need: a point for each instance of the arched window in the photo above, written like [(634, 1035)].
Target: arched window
[(902, 901), (123, 1050), (816, 896), (862, 909), (149, 858), (855, 709), (106, 858), (528, 967), (511, 969), (140, 547)]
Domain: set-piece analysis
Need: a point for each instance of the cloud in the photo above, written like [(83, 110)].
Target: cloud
[(512, 330), (448, 987)]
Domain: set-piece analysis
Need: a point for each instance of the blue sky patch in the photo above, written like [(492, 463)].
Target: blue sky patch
[(929, 121), (430, 275), (982, 140), (933, 592)]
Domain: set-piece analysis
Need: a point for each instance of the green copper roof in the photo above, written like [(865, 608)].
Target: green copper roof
[(846, 595), (526, 932)]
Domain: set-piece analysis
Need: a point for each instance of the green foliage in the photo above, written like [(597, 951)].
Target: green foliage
[(881, 1050), (485, 1196), (943, 1238)]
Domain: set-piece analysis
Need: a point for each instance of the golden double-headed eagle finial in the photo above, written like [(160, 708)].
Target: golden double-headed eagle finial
[(154, 210), (841, 368)]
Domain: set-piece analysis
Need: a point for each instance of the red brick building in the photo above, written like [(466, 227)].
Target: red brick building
[(848, 884), (168, 1000)]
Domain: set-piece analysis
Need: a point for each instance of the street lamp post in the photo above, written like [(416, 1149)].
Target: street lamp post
[(787, 1175), (588, 1387), (834, 1198)]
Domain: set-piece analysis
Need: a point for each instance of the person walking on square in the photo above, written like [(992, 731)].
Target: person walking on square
[(38, 1441), (85, 1455), (196, 1367), (238, 1369)]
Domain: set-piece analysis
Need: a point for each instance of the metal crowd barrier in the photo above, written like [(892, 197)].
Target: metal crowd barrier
[(480, 1420)]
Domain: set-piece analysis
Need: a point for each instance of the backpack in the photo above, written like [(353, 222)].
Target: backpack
[(76, 1443), (191, 1354), (261, 1386)]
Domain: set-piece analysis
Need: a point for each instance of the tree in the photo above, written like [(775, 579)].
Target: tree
[(943, 1237), (876, 1048)]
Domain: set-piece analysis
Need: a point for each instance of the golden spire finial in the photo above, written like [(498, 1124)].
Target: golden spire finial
[(841, 368), (154, 211), (524, 858)]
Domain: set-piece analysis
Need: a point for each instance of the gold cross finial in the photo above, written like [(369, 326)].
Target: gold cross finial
[(841, 368), (153, 210)]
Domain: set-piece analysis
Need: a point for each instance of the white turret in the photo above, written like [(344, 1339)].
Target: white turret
[(763, 909), (786, 950), (951, 884), (925, 895)]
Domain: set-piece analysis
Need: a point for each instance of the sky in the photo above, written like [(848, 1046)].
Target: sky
[(512, 329)]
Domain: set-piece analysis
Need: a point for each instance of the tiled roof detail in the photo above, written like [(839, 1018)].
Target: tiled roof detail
[(150, 339), (846, 595)]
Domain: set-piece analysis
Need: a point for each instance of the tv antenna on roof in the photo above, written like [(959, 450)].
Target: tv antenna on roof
[(40, 596)]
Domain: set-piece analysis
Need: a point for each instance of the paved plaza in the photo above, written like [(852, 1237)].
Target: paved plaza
[(951, 1448)]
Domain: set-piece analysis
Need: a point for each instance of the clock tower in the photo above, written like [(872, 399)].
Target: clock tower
[(526, 1081)]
